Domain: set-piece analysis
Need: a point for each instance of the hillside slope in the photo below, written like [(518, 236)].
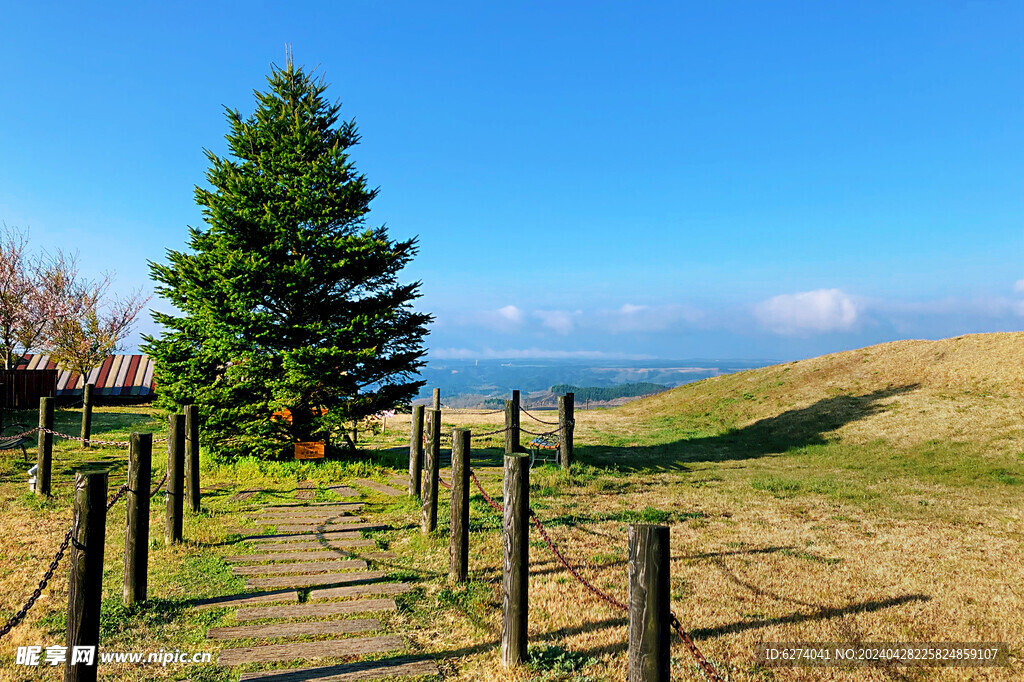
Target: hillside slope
[(906, 393)]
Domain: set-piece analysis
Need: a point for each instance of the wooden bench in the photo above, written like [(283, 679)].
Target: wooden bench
[(541, 446), (9, 443)]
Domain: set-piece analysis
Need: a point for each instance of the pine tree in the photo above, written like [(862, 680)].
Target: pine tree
[(287, 300)]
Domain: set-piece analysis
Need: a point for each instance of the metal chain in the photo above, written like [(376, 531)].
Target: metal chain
[(546, 433), (706, 666), (583, 581), (92, 441), (494, 505), (524, 411), (16, 618), (117, 496), (159, 485), (490, 433), (21, 435)]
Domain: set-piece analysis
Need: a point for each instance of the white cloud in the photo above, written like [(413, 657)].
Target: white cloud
[(506, 319), (511, 313), (559, 321), (1018, 287), (824, 310)]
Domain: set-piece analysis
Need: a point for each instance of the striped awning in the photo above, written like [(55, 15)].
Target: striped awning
[(119, 375)]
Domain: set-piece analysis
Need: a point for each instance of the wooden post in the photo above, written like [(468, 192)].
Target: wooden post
[(136, 536), (649, 610), (511, 427), (415, 450), (458, 549), (430, 473), (44, 454), (87, 414), (85, 590), (566, 424), (192, 457), (516, 560), (515, 421), (175, 478), (436, 404)]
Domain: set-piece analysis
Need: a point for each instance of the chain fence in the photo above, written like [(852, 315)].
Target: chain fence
[(536, 419), (14, 620), (684, 636), (17, 618)]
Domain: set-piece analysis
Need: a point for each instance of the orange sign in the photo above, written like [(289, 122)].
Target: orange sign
[(310, 450), (285, 415)]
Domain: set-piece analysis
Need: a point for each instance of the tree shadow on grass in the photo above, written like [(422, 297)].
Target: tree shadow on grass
[(789, 430)]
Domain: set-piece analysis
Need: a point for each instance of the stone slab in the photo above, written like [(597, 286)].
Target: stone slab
[(304, 567), (379, 487), (308, 555), (265, 546), (347, 532), (356, 524), (244, 495), (359, 590), (332, 648), (350, 672), (243, 599), (316, 627), (293, 505), (337, 608), (343, 490), (297, 581), (305, 513), (329, 522)]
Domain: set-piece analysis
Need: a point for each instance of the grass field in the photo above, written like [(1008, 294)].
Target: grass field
[(868, 496)]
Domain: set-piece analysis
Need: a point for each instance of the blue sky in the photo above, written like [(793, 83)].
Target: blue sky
[(589, 179)]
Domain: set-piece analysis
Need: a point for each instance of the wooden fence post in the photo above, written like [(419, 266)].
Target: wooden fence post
[(430, 474), (649, 609), (458, 549), (175, 478), (86, 414), (566, 424), (516, 560), (192, 457), (136, 536), (436, 404), (512, 427), (85, 591), (44, 454), (415, 450), (516, 414)]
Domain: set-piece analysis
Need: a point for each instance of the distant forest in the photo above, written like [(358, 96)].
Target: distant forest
[(601, 394)]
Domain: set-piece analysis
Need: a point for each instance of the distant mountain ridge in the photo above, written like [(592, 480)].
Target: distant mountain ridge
[(468, 383)]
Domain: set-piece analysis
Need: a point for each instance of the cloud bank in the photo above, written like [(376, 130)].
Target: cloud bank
[(820, 311)]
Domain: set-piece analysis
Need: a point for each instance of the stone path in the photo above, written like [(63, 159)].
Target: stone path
[(379, 487), (314, 545)]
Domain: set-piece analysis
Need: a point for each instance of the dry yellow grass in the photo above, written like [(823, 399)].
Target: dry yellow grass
[(868, 514)]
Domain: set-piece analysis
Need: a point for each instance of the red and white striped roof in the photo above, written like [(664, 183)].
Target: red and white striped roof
[(119, 375)]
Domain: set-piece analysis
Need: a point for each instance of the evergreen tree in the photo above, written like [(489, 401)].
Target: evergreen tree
[(287, 300)]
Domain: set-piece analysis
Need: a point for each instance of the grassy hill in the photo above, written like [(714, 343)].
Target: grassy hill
[(967, 388), (952, 409)]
